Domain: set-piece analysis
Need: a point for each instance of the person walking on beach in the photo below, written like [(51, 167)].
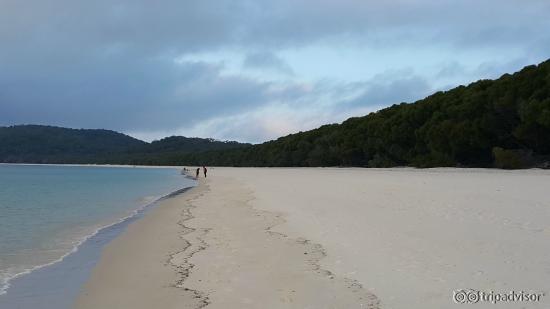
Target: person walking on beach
[(204, 170), (198, 172)]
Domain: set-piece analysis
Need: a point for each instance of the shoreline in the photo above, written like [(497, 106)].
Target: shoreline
[(103, 286), (95, 165), (397, 168), (120, 224)]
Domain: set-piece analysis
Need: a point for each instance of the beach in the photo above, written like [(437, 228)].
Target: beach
[(334, 238)]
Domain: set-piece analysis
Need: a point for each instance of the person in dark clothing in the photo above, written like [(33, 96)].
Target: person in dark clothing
[(204, 170), (198, 172)]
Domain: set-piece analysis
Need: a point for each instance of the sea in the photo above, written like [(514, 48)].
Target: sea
[(54, 221)]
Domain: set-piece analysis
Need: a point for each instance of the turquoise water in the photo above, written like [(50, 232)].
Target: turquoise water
[(47, 211)]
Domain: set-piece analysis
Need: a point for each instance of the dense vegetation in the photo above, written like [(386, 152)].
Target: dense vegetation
[(47, 144), (502, 123), (490, 123)]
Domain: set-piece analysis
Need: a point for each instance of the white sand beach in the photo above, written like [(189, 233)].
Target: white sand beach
[(334, 238)]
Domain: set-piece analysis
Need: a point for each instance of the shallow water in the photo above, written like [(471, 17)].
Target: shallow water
[(47, 211)]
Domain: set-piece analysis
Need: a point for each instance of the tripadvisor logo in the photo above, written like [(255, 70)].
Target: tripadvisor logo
[(470, 296)]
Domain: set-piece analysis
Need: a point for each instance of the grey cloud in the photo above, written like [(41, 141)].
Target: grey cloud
[(462, 24), (485, 70), (493, 69), (391, 87), (122, 94), (171, 26), (267, 61), (450, 70)]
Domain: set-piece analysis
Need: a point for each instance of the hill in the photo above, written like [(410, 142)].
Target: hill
[(169, 151), (48, 144), (188, 144), (490, 123)]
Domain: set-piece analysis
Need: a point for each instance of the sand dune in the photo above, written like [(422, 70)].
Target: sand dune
[(334, 238)]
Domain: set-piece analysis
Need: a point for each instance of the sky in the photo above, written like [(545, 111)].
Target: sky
[(249, 70)]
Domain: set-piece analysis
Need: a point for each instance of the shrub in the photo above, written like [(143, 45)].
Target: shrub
[(508, 159)]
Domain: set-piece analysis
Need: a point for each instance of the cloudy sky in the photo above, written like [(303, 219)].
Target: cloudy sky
[(249, 70)]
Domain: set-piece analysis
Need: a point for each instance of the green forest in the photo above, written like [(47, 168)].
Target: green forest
[(49, 144), (503, 123)]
